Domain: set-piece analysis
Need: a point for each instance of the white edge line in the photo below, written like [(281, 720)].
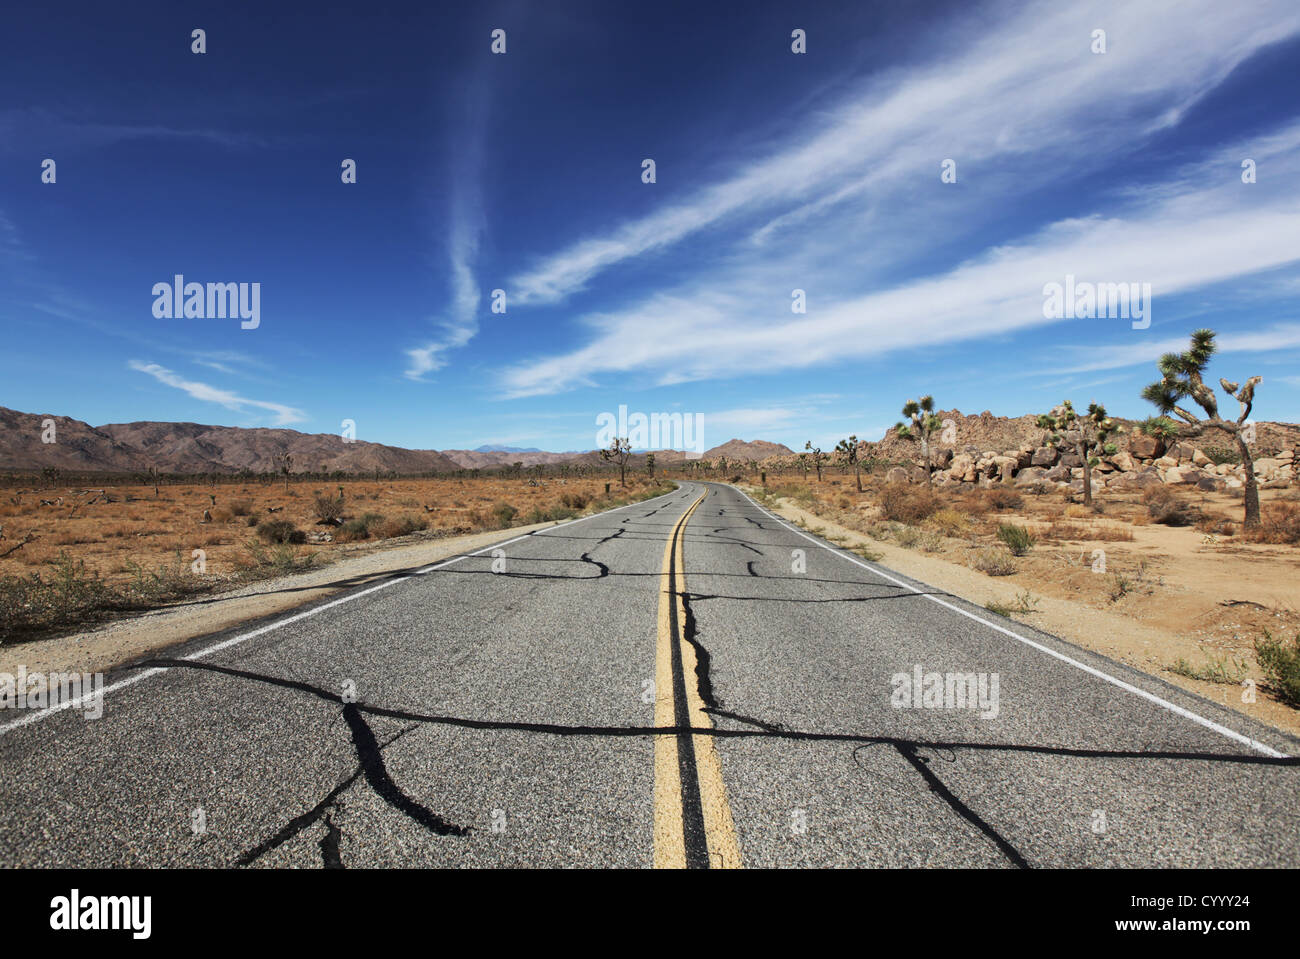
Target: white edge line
[(253, 634), (1129, 687)]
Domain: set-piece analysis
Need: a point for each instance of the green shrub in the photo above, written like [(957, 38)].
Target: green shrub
[(1281, 666), (1018, 539), (503, 512), (359, 528)]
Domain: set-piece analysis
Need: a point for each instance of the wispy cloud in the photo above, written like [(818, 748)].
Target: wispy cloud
[(283, 415), (1201, 227), (1141, 352), (462, 243), (1026, 87)]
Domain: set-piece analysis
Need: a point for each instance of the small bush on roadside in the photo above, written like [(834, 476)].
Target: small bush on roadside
[(950, 522), (1018, 539), (401, 526), (907, 504), (359, 528), (994, 562), (280, 531), (503, 513), (240, 507), (1281, 666)]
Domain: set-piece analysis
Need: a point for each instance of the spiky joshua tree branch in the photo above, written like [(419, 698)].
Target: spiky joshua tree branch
[(1182, 376)]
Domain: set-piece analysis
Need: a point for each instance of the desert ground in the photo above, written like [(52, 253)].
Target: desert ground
[(70, 556)]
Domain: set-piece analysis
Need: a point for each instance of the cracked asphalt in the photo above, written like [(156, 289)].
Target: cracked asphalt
[(499, 711)]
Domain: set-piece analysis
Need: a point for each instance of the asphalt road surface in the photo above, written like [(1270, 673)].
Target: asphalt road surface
[(687, 681)]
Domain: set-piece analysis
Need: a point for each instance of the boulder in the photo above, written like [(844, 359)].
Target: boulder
[(1166, 462), (1123, 462), (1144, 447), (1044, 456), (1200, 459), (962, 468), (1180, 475), (1006, 466), (1182, 452), (1071, 459), (896, 475), (1210, 484), (1058, 474), (941, 458), (1030, 476)]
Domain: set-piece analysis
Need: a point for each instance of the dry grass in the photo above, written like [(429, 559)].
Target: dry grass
[(83, 557)]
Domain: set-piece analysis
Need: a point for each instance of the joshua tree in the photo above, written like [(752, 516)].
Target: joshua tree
[(284, 463), (847, 451), (817, 457), (619, 450), (1182, 376), (1092, 429), (924, 423), (650, 463), (803, 465)]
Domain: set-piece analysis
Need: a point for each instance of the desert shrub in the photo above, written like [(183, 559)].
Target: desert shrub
[(280, 531), (1216, 524), (328, 508), (359, 528), (503, 512), (1279, 523), (1223, 454), (401, 526), (555, 513), (1224, 670), (1018, 539), (1001, 498), (994, 562), (1281, 666), (575, 500), (240, 507), (907, 504), (949, 522), (908, 536), (1167, 508)]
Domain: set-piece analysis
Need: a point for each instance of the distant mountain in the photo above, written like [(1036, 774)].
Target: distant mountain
[(194, 448), (505, 449), (747, 450)]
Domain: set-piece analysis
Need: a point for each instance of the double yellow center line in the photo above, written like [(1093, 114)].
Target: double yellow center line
[(692, 820)]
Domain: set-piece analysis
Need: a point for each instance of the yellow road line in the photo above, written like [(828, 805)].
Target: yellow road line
[(693, 826)]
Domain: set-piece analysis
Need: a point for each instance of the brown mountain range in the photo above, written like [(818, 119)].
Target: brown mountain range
[(195, 448)]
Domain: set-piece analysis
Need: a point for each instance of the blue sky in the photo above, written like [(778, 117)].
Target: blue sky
[(775, 171)]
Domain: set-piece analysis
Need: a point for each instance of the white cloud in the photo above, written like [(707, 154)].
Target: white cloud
[(1023, 89), (283, 415)]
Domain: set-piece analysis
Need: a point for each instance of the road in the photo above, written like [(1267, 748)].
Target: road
[(687, 681)]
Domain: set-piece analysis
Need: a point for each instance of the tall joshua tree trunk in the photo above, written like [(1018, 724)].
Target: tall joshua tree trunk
[(1252, 485)]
